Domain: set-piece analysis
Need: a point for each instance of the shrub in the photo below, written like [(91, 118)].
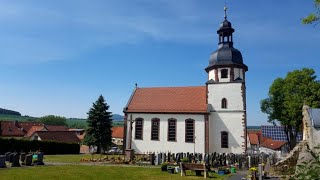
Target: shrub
[(48, 147), (164, 166), (185, 160)]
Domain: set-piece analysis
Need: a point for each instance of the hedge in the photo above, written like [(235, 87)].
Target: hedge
[(48, 147)]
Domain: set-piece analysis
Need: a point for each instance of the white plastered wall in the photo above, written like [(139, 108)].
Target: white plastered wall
[(230, 122), (163, 145), (237, 73), (230, 119)]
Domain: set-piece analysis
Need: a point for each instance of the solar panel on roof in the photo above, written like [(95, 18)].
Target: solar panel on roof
[(277, 133), (315, 117)]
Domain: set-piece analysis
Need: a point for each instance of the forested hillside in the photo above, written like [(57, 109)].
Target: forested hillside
[(10, 112)]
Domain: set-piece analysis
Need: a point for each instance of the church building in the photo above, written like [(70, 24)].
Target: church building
[(200, 119)]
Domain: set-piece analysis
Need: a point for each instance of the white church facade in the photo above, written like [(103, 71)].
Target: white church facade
[(201, 119)]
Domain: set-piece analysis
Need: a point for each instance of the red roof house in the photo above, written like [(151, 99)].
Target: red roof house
[(16, 129), (59, 136)]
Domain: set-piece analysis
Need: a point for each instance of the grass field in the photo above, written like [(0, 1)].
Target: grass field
[(91, 172), (75, 170), (70, 158)]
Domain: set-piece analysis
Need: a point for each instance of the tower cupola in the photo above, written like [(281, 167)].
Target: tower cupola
[(226, 55)]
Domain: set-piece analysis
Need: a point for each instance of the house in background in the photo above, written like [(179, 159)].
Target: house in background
[(15, 129), (59, 136), (269, 140), (39, 131), (270, 146), (117, 135), (253, 142), (79, 132)]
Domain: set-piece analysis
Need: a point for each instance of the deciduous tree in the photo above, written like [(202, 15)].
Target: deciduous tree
[(286, 98), (313, 17), (53, 120), (99, 131)]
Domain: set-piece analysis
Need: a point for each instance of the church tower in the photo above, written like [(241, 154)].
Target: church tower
[(226, 95)]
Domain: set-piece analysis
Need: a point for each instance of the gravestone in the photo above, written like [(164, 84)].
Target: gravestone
[(23, 158), (151, 157), (224, 159), (240, 160), (178, 157), (267, 167), (206, 159), (3, 161), (248, 163), (195, 157), (163, 157), (28, 160), (16, 160), (8, 156), (189, 158), (200, 158), (40, 158), (158, 159), (220, 160), (11, 157)]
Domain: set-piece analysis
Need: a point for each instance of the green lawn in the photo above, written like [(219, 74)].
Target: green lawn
[(89, 172), (71, 158), (76, 170)]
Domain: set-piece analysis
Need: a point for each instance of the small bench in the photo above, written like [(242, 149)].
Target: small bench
[(198, 168)]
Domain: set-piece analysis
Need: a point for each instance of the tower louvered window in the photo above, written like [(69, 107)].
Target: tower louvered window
[(224, 73), (172, 129), (155, 128), (139, 128), (189, 130)]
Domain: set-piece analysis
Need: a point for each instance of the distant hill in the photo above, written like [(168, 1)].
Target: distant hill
[(253, 128), (117, 117), (9, 112), (72, 122)]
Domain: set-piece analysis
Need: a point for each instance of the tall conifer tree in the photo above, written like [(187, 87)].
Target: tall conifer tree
[(99, 131)]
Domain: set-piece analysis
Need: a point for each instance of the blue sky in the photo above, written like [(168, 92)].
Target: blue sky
[(57, 57)]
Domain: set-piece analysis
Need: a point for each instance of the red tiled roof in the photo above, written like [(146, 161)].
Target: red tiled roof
[(11, 129), (56, 128), (16, 129), (253, 138), (36, 128), (271, 144), (27, 125), (117, 132), (169, 100), (60, 136)]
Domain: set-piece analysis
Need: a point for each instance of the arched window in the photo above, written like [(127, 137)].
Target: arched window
[(139, 129), (224, 73), (189, 130), (224, 103), (224, 139), (172, 129), (155, 128)]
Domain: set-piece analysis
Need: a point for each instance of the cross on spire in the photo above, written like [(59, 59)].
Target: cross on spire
[(225, 12)]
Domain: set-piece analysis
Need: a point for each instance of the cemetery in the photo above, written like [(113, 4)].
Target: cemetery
[(179, 165)]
